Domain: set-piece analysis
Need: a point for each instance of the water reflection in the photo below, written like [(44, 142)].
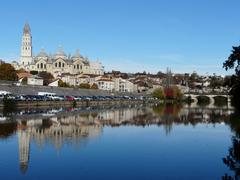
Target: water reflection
[(232, 160), (57, 127)]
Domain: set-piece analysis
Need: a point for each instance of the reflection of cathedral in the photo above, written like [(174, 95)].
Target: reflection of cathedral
[(76, 127), (24, 148), (55, 64), (52, 132)]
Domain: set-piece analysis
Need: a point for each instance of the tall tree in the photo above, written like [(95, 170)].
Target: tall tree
[(233, 62), (7, 72)]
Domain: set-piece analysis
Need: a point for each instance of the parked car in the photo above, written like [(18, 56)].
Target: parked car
[(70, 98), (78, 98)]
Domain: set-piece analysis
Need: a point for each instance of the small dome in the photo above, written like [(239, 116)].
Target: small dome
[(60, 53), (77, 55), (42, 53)]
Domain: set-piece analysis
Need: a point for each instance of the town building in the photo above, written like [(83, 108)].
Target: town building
[(35, 80)]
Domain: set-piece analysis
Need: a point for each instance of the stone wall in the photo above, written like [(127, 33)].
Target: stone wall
[(33, 90)]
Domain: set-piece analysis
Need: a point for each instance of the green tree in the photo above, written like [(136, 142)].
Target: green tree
[(7, 72), (158, 93), (233, 62), (216, 82), (34, 72)]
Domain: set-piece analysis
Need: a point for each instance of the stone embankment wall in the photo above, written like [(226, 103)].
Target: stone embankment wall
[(33, 90), (32, 104)]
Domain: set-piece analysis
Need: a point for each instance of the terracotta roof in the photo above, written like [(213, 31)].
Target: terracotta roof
[(23, 75), (108, 80)]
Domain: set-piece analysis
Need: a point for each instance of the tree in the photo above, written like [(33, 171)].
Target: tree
[(7, 72), (24, 81), (34, 72), (158, 93), (84, 86), (177, 93), (168, 91), (47, 77), (216, 82), (62, 84), (21, 71), (233, 62), (94, 86)]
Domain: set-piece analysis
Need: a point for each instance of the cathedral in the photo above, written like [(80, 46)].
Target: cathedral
[(55, 64)]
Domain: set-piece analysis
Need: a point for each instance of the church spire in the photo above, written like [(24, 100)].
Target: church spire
[(26, 29), (26, 46)]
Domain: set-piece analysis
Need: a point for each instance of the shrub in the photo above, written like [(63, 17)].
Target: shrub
[(158, 93)]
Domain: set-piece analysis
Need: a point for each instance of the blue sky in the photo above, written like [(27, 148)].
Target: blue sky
[(127, 35)]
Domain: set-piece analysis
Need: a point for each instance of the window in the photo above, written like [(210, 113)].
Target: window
[(41, 65), (59, 64), (38, 66), (55, 64), (44, 66), (78, 66), (63, 65), (74, 66)]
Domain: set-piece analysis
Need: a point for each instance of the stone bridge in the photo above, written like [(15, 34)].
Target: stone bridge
[(210, 96)]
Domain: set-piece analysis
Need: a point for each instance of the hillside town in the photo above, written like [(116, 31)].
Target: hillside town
[(61, 70)]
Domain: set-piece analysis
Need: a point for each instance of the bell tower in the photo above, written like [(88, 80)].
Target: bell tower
[(26, 46)]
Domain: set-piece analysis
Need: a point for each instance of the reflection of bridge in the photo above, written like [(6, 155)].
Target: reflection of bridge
[(211, 97)]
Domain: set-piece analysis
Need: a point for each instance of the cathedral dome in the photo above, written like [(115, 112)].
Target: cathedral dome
[(60, 53), (42, 53), (77, 55)]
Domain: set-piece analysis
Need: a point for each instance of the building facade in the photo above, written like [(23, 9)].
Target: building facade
[(55, 64)]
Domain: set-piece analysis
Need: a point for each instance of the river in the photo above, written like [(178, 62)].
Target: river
[(119, 142)]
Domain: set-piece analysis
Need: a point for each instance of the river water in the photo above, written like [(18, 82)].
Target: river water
[(128, 142)]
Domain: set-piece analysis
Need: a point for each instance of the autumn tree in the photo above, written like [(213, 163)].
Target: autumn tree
[(177, 93), (62, 84), (84, 86), (168, 91), (7, 72), (94, 86), (21, 71)]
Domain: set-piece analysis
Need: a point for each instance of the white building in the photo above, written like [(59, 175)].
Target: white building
[(124, 85), (106, 84), (57, 63), (35, 80)]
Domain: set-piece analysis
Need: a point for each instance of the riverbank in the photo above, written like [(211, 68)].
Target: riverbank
[(33, 90), (31, 104)]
